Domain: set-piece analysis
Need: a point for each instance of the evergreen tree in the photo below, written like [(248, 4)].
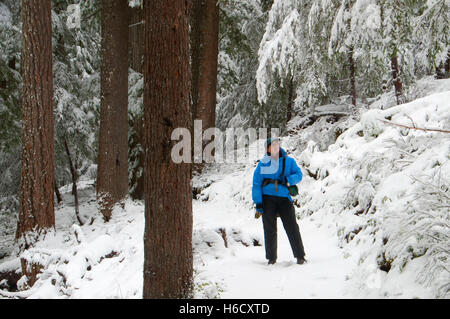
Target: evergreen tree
[(344, 41), (396, 34), (289, 52), (10, 99), (240, 32), (77, 91), (168, 259), (432, 37), (204, 38), (10, 81), (36, 214), (112, 173)]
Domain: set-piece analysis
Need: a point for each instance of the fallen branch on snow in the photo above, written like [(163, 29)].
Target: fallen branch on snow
[(415, 128)]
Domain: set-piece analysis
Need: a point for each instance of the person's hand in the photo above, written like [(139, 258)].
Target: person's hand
[(259, 210)]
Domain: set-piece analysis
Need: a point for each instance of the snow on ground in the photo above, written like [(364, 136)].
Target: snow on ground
[(96, 260), (241, 271), (373, 212), (386, 190), (101, 260), (229, 245)]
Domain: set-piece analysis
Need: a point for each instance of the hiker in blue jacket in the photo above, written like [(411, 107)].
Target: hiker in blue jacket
[(271, 196)]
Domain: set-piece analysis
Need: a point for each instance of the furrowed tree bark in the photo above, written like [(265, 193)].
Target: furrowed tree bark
[(204, 39), (168, 263), (112, 175), (36, 213)]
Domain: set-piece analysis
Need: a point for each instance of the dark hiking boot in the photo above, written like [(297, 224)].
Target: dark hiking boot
[(272, 261), (301, 260)]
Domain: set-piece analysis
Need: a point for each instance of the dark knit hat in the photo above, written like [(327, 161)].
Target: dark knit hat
[(270, 140)]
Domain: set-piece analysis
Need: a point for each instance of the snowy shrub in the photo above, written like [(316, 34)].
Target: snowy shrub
[(371, 124), (388, 196), (360, 197), (425, 231), (205, 289)]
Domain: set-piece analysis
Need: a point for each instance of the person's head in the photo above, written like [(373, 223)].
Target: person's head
[(273, 146)]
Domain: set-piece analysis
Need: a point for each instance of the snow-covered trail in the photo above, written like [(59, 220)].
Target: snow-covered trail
[(241, 271)]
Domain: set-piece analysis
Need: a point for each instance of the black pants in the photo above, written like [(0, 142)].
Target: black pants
[(273, 205)]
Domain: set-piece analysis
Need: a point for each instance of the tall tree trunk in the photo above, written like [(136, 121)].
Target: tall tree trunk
[(36, 214), (396, 79), (168, 264), (204, 37), (352, 67), (112, 176)]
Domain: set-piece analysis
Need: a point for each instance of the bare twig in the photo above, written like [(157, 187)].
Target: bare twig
[(137, 23), (412, 121)]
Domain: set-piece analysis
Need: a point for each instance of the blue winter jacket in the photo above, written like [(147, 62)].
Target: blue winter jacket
[(270, 168)]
